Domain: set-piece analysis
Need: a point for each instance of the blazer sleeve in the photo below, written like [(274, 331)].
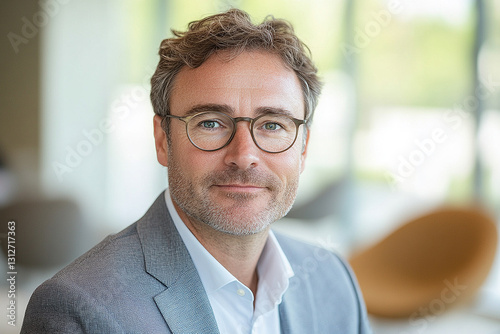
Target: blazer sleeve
[(60, 307)]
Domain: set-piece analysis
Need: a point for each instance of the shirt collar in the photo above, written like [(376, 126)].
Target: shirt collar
[(274, 274), (273, 266)]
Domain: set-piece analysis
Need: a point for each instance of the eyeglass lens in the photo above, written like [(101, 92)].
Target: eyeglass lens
[(213, 130)]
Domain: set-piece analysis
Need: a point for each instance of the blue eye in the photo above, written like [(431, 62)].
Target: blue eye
[(271, 126), (210, 124)]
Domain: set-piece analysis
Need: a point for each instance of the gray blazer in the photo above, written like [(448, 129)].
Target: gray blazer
[(142, 280)]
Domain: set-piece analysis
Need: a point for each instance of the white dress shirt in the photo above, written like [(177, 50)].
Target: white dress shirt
[(232, 301)]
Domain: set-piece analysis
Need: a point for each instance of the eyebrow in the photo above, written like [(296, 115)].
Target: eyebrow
[(224, 108), (273, 111), (210, 107)]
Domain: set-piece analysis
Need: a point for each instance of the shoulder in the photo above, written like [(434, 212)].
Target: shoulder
[(59, 306), (77, 298), (108, 253), (100, 292)]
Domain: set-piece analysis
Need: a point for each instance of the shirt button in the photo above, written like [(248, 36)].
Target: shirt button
[(240, 292)]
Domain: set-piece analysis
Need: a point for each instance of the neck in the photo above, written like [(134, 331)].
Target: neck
[(239, 254)]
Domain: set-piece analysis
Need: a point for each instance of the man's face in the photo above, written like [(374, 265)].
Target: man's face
[(238, 189)]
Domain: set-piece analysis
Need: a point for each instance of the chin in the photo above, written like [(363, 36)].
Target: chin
[(238, 221), (241, 230)]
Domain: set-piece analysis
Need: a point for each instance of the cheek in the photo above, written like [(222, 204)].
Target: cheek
[(287, 165), (192, 162)]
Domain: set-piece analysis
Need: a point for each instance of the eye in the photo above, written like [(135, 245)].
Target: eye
[(271, 126), (210, 124)]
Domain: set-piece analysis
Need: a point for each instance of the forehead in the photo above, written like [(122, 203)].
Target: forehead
[(250, 81)]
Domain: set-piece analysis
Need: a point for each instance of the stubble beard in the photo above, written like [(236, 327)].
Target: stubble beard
[(198, 203)]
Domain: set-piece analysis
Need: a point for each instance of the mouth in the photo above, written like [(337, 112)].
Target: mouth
[(240, 188)]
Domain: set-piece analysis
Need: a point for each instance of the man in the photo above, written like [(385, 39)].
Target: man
[(233, 102)]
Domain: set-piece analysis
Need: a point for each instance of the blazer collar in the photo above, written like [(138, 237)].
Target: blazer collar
[(184, 303)]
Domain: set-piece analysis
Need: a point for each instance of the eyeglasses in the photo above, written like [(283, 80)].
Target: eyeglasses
[(213, 130)]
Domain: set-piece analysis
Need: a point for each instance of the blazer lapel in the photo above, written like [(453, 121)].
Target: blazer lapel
[(184, 303), (186, 308), (296, 313), (297, 310)]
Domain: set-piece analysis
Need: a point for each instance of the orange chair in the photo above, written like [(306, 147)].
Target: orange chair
[(427, 264)]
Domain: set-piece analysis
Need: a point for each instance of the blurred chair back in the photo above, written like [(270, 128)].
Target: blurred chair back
[(47, 231), (439, 258)]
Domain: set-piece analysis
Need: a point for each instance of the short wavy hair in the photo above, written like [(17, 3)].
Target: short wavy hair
[(232, 31)]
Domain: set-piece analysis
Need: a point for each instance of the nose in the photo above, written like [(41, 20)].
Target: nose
[(242, 152)]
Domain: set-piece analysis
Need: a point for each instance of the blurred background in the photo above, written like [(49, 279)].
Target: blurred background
[(409, 120)]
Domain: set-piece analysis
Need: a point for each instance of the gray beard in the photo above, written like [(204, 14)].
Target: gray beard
[(232, 221)]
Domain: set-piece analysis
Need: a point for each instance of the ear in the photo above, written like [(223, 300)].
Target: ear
[(305, 144), (160, 141)]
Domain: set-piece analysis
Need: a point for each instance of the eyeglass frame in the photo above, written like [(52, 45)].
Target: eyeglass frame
[(235, 120)]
